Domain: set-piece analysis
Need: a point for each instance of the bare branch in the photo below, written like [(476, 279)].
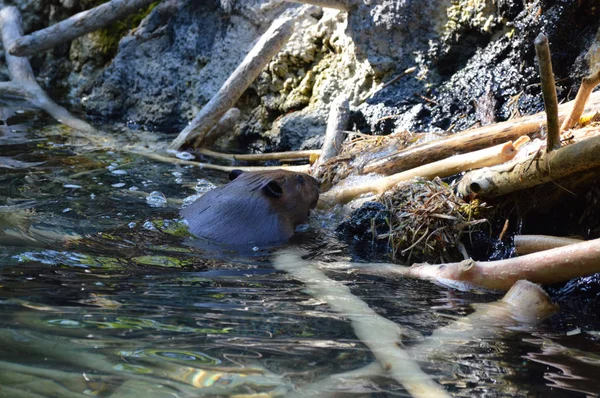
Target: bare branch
[(263, 51), (261, 157), (376, 332), (525, 244), (167, 159), (345, 192), (532, 171), (22, 74), (588, 83), (75, 26), (469, 140), (546, 267)]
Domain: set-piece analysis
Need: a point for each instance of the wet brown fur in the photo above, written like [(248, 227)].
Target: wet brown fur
[(254, 208)]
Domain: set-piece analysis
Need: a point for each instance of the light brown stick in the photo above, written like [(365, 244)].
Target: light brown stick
[(263, 51), (542, 49), (526, 244), (467, 141), (75, 26), (261, 157), (526, 173), (588, 83), (343, 193), (546, 267), (379, 334), (167, 159), (22, 75)]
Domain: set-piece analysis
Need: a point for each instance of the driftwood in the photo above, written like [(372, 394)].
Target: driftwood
[(525, 304), (547, 267), (532, 171), (542, 50), (379, 334), (267, 46), (261, 157), (526, 244), (22, 79), (466, 141), (344, 192), (173, 160), (75, 26), (339, 114)]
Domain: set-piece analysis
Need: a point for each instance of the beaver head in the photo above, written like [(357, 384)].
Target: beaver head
[(254, 208)]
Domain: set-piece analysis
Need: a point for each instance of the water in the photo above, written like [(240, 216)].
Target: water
[(102, 295)]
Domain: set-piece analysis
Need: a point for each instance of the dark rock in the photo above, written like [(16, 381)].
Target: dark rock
[(359, 228)]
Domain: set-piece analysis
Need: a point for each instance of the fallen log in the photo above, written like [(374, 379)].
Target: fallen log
[(526, 244), (466, 141), (546, 267), (379, 334), (535, 170), (75, 26), (263, 51), (22, 78), (344, 192)]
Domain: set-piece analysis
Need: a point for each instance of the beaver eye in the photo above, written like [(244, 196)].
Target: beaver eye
[(301, 180)]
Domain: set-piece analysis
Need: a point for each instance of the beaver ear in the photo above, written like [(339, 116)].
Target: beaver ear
[(233, 174), (273, 189)]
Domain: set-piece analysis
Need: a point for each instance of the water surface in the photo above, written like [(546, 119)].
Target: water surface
[(103, 294)]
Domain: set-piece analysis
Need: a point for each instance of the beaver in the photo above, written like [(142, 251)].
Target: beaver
[(258, 207)]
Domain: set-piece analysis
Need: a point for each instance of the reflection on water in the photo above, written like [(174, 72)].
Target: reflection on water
[(103, 294)]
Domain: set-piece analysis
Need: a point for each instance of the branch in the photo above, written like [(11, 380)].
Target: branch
[(525, 304), (379, 334), (22, 75), (75, 26), (344, 192), (548, 92), (526, 244), (261, 157), (167, 159), (462, 142), (588, 83), (532, 171), (263, 51), (546, 267)]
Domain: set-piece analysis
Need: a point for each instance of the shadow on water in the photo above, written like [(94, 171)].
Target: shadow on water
[(103, 293)]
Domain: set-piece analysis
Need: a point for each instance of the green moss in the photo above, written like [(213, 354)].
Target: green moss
[(108, 38)]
